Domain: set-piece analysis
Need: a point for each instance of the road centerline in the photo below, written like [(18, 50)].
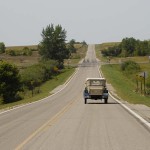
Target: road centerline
[(48, 124)]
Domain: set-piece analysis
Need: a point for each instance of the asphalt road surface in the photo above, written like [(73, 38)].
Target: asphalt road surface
[(64, 122)]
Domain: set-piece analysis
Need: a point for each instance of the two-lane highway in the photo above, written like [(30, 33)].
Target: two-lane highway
[(64, 122)]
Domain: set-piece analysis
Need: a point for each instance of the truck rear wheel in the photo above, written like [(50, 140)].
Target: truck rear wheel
[(106, 100)]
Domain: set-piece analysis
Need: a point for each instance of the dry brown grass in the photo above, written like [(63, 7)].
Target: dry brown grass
[(21, 47), (25, 61), (76, 57), (22, 61), (107, 45)]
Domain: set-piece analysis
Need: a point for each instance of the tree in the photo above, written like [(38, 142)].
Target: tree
[(137, 51), (128, 46), (112, 51), (2, 47), (9, 82), (71, 47), (53, 44), (84, 43), (144, 48)]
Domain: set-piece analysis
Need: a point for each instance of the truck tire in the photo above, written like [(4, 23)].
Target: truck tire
[(106, 100), (85, 101)]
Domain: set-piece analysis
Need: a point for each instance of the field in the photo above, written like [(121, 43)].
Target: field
[(25, 61), (22, 61), (47, 87), (124, 85)]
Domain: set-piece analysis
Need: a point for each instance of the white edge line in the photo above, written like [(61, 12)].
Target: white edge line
[(146, 123), (23, 105), (131, 111)]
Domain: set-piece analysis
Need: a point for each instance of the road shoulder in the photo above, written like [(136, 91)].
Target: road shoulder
[(139, 111)]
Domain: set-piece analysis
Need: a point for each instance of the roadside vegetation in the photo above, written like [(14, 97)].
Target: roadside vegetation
[(29, 73), (125, 86), (45, 89), (125, 74), (128, 47)]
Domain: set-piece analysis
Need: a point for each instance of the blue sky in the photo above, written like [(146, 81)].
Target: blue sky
[(95, 21)]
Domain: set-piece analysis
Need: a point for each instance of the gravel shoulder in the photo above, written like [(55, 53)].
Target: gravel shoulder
[(142, 110)]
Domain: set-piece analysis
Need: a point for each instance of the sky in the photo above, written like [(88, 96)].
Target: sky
[(93, 21)]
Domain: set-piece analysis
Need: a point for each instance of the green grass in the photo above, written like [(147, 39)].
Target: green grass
[(46, 88), (124, 85)]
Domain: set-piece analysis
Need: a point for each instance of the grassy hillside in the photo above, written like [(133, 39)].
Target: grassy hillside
[(124, 85), (25, 61), (106, 45), (46, 88)]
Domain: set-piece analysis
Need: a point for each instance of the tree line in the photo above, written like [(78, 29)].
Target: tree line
[(128, 47), (53, 50)]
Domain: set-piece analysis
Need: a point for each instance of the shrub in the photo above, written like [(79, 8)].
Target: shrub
[(11, 53), (18, 52), (26, 51), (130, 67)]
